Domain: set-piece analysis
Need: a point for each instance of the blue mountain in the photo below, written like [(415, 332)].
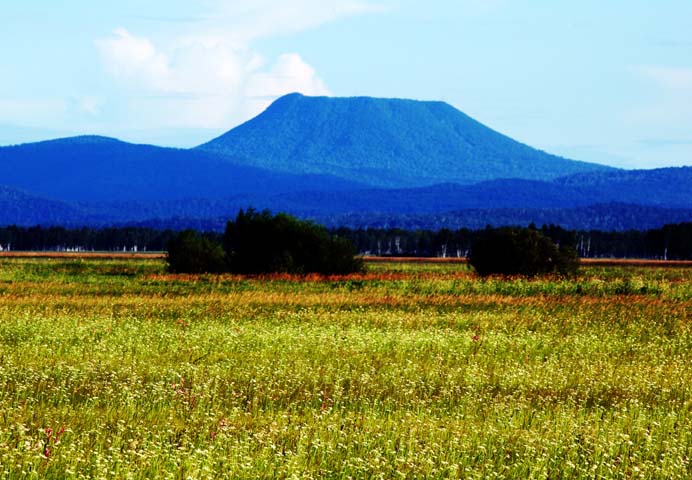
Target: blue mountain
[(20, 208), (385, 143), (665, 187), (90, 168), (353, 161)]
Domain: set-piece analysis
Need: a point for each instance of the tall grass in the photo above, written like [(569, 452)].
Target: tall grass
[(114, 369)]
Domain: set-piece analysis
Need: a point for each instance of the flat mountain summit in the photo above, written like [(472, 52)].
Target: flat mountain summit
[(385, 143)]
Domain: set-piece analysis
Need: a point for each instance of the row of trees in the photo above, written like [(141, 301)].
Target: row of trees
[(86, 239), (672, 242), (521, 251), (259, 242), (262, 243)]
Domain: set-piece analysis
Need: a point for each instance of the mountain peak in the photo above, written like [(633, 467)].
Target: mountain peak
[(385, 142)]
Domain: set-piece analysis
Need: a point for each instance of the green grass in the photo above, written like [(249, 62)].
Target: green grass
[(409, 371)]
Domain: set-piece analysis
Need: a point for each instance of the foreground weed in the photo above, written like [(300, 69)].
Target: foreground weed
[(116, 370)]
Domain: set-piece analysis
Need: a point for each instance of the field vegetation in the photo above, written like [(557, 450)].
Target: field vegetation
[(116, 369)]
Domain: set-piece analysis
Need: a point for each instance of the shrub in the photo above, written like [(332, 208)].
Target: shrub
[(188, 252), (258, 242), (520, 251)]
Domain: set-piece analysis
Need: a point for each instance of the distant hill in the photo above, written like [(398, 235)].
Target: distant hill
[(20, 208), (604, 217), (512, 193), (404, 209), (351, 161), (90, 168), (666, 187), (384, 142)]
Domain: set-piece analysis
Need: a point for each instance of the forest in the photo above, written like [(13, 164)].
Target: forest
[(671, 242)]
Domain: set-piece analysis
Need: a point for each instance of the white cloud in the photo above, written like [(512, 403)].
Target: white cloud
[(129, 58), (207, 75), (290, 73), (201, 83), (192, 68)]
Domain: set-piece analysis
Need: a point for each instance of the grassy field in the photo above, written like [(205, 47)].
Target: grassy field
[(111, 368)]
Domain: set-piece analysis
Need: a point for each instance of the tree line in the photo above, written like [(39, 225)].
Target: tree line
[(671, 242), (84, 239)]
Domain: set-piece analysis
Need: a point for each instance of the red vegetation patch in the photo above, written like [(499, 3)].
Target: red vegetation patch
[(312, 277)]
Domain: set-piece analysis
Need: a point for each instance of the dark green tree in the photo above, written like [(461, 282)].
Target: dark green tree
[(259, 242), (188, 252), (520, 251)]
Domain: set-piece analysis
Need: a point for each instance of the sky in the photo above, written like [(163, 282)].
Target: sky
[(608, 82)]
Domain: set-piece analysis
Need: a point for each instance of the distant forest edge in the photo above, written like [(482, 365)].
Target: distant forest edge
[(671, 242), (210, 215)]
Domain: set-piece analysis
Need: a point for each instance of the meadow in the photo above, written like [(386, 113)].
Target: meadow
[(112, 368)]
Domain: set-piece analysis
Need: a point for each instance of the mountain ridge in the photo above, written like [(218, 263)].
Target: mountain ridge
[(494, 202), (92, 168), (93, 179), (390, 143)]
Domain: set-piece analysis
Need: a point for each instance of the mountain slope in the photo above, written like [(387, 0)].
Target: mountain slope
[(513, 193), (605, 217), (103, 169), (665, 187), (20, 208), (384, 142)]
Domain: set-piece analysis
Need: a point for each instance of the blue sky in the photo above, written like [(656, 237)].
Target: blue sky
[(609, 82)]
